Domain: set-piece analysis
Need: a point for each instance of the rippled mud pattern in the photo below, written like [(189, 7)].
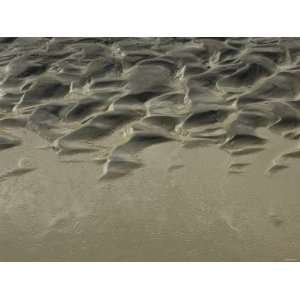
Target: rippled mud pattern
[(124, 95), (105, 101)]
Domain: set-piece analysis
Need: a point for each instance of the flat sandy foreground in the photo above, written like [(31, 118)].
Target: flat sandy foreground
[(149, 149)]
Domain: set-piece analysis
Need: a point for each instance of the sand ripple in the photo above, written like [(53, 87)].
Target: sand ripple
[(126, 94)]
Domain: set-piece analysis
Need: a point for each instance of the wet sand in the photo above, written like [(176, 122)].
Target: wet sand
[(149, 149)]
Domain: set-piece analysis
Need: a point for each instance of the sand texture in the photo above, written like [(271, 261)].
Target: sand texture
[(149, 149)]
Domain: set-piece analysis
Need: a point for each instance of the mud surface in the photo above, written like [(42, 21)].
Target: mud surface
[(149, 149)]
